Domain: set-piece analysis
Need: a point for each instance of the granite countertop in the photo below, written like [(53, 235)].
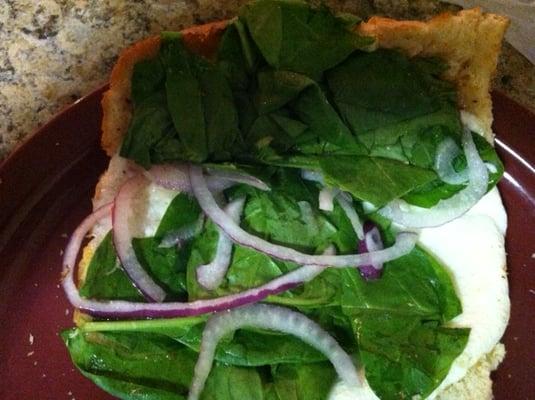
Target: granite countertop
[(52, 52)]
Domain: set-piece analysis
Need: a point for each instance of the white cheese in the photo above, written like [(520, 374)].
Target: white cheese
[(472, 250)]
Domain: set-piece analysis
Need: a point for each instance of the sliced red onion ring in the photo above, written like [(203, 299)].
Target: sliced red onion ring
[(238, 177), (449, 209), (372, 242), (170, 176), (447, 151), (126, 309), (211, 275), (349, 210), (273, 318), (326, 198), (122, 214), (175, 177), (178, 237), (405, 241)]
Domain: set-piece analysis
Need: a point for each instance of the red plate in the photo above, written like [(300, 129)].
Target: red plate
[(45, 190)]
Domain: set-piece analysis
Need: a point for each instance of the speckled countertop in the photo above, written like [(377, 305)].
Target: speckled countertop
[(54, 51)]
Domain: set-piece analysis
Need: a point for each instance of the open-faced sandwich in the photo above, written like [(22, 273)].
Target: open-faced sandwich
[(298, 205)]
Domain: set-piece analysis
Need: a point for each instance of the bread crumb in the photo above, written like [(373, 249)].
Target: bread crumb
[(533, 255), (476, 385), (30, 354), (67, 311), (532, 291), (30, 339), (35, 363)]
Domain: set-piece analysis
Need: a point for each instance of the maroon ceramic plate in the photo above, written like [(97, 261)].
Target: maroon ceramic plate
[(45, 190)]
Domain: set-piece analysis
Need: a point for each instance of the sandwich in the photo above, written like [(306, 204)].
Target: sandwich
[(298, 205)]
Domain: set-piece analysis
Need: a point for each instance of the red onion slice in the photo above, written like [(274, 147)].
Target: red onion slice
[(211, 275), (447, 150), (170, 176), (351, 213), (326, 198), (405, 241), (236, 177), (126, 309), (123, 213), (449, 209), (175, 177), (372, 242), (273, 318)]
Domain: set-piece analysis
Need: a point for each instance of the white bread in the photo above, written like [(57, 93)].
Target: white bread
[(469, 42)]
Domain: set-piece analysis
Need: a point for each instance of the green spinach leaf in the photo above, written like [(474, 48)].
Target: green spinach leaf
[(292, 36), (105, 279), (398, 322), (373, 179)]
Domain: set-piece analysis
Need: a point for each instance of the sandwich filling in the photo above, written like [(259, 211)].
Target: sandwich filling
[(301, 168)]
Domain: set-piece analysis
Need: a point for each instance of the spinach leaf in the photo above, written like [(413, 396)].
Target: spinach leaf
[(304, 382), (183, 108), (406, 357), (182, 211), (134, 365), (166, 265), (276, 88), (200, 102), (398, 322), (147, 78), (237, 59), (105, 279), (184, 96), (133, 360), (373, 179), (254, 348), (150, 125), (292, 36), (360, 83), (314, 109)]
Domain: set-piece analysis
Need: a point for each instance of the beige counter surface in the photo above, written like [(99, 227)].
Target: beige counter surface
[(52, 52)]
